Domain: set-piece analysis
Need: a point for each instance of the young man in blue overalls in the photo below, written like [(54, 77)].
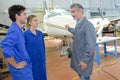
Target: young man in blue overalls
[(13, 46)]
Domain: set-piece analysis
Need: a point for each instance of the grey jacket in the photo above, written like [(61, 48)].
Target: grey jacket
[(84, 41)]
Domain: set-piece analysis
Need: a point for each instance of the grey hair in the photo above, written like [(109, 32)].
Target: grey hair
[(76, 5)]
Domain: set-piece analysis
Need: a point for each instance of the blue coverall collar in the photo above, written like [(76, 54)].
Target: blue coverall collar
[(16, 25)]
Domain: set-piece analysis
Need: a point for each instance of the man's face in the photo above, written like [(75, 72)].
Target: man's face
[(22, 17), (76, 14)]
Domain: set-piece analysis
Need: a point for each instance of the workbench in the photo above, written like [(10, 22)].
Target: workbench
[(104, 41)]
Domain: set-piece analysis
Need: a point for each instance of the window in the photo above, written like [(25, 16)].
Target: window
[(52, 14), (96, 14)]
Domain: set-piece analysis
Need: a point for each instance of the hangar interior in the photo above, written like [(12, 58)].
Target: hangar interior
[(53, 15)]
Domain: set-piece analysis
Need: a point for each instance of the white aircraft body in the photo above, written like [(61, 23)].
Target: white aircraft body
[(55, 21)]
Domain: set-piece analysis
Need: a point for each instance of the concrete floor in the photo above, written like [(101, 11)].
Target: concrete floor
[(58, 68)]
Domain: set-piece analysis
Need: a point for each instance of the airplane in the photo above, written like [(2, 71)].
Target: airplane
[(55, 20)]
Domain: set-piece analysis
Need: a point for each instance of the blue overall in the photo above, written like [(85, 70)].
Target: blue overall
[(36, 50), (14, 46)]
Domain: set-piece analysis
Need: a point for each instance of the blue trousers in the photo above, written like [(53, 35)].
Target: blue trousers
[(84, 77)]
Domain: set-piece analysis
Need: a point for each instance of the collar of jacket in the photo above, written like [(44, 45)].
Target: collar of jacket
[(80, 23), (16, 25)]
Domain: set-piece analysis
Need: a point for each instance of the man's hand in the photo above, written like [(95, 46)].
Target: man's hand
[(21, 65), (67, 26), (16, 65), (82, 65)]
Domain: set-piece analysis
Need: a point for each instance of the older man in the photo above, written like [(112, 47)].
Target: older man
[(84, 41)]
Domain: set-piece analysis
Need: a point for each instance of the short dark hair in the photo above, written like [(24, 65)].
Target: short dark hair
[(15, 9), (76, 5)]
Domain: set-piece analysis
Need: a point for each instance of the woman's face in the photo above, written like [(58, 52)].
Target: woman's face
[(34, 22)]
